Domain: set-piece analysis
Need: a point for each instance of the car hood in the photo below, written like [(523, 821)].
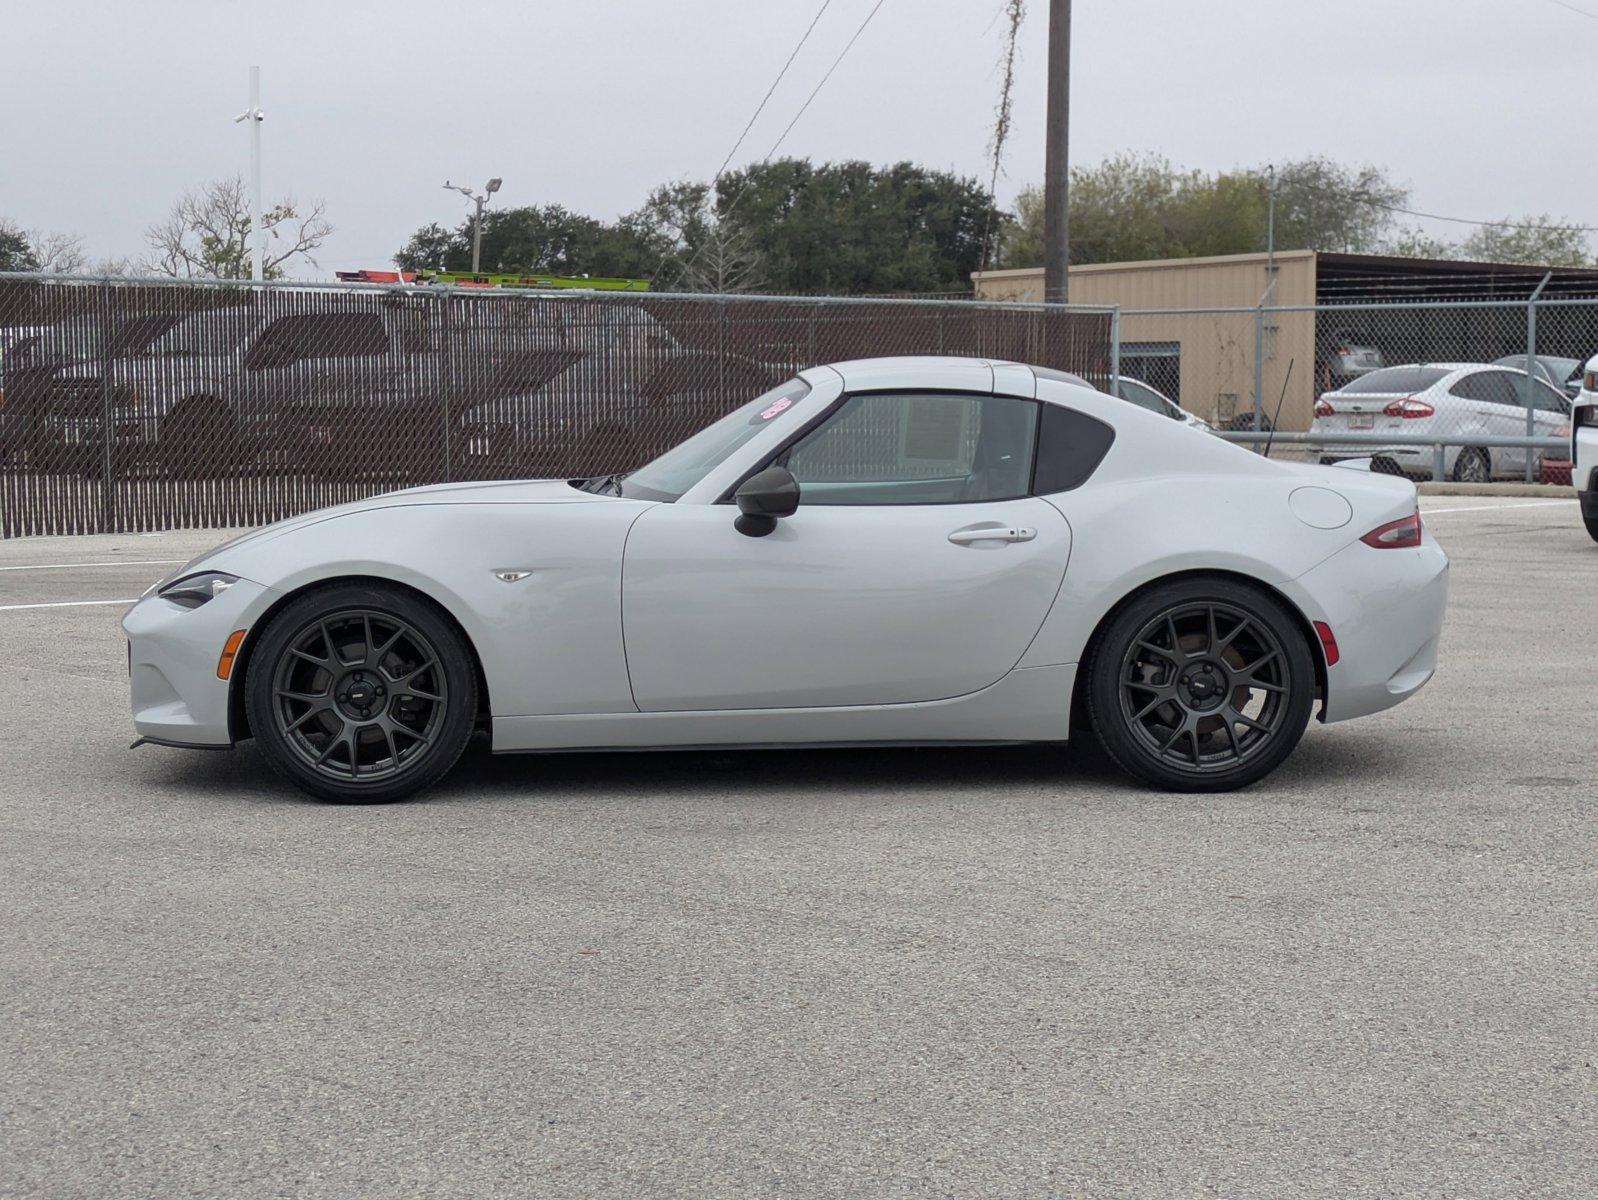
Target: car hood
[(527, 491)]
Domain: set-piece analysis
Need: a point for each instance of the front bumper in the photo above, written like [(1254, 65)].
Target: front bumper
[(172, 659), (1385, 608)]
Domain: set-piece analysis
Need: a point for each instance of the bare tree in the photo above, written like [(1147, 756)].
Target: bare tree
[(207, 234), (725, 262), (58, 253), (35, 250)]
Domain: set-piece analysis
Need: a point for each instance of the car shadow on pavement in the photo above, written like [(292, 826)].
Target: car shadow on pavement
[(1080, 769)]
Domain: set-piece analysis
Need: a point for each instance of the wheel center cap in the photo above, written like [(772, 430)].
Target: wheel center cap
[(360, 694), (1204, 686)]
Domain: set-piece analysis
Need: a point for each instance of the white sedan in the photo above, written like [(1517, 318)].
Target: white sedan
[(914, 550), (1463, 401), (1584, 446)]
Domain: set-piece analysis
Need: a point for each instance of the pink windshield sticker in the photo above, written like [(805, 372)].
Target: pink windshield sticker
[(776, 407)]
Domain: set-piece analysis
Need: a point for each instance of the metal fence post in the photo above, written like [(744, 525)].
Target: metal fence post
[(1259, 366), (1531, 368), (1115, 350), (447, 328)]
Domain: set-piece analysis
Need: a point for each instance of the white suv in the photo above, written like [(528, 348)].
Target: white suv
[(1584, 446)]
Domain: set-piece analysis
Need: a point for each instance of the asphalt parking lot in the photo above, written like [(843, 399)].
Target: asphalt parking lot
[(968, 973)]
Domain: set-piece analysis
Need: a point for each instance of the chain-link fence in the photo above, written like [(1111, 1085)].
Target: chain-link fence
[(1471, 391), (140, 405)]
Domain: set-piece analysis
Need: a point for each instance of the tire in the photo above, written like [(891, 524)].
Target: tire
[(198, 437), (1592, 527), (1472, 465), (1176, 661), (361, 693)]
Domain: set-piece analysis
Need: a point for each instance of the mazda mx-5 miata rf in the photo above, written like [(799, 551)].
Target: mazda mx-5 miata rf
[(923, 551)]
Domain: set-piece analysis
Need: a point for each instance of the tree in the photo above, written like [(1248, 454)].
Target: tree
[(58, 253), (1132, 207), (697, 251), (207, 234), (35, 250), (1541, 240), (548, 239), (849, 228), (16, 249)]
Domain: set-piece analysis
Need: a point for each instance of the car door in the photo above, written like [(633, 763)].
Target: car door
[(1497, 411), (1549, 408), (916, 568)]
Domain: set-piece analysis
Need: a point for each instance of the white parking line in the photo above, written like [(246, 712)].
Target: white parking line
[(1500, 507), (129, 562), (60, 604)]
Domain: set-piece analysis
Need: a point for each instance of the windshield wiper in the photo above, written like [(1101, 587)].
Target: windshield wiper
[(605, 484)]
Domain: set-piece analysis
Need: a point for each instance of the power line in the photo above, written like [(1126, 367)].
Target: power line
[(1591, 16), (766, 99), (1488, 224), (759, 108), (775, 146), (842, 54)]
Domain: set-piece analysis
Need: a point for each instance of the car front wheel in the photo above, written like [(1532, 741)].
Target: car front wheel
[(1201, 685), (361, 693)]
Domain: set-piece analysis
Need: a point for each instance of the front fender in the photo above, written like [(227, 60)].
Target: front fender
[(548, 643)]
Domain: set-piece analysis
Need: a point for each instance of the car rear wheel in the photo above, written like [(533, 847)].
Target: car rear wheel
[(361, 693), (1592, 527), (1200, 685), (1473, 466)]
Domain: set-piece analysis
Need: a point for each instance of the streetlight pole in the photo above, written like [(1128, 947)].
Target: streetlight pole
[(478, 203), (255, 116), (1056, 167)]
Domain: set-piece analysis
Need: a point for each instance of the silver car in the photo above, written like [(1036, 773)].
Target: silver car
[(1461, 402)]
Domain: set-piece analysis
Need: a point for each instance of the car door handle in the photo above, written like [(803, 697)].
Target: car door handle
[(993, 533)]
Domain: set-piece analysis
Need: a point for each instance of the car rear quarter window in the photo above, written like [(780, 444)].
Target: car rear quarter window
[(1395, 380), (1071, 445)]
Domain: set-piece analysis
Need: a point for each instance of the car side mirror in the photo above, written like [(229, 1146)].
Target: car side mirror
[(764, 497)]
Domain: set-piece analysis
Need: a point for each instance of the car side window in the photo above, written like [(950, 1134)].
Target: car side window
[(1144, 397), (918, 448), (1542, 397), (1498, 387), (292, 339)]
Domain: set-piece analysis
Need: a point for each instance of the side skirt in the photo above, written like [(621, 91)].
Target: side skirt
[(1031, 704)]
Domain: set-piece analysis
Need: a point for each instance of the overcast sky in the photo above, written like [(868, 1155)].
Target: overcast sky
[(108, 110)]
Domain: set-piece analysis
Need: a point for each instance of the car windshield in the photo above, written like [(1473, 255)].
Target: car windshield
[(1397, 380), (685, 464), (205, 333)]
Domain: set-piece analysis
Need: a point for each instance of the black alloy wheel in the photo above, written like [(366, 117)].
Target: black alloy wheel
[(1202, 685), (362, 694)]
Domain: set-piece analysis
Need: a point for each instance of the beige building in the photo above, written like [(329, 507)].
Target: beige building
[(1205, 360), (1178, 335)]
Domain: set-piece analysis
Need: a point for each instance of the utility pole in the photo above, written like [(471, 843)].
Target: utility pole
[(478, 203), (1056, 166), (255, 116)]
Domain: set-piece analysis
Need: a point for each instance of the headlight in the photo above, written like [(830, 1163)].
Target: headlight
[(194, 590)]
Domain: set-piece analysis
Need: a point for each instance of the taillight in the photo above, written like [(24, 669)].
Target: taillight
[(1323, 408), (1589, 381), (1401, 534), (1408, 408)]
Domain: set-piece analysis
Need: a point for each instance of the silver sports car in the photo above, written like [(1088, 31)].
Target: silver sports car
[(920, 550)]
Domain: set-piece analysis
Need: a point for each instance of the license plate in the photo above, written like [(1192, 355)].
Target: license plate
[(1362, 421)]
